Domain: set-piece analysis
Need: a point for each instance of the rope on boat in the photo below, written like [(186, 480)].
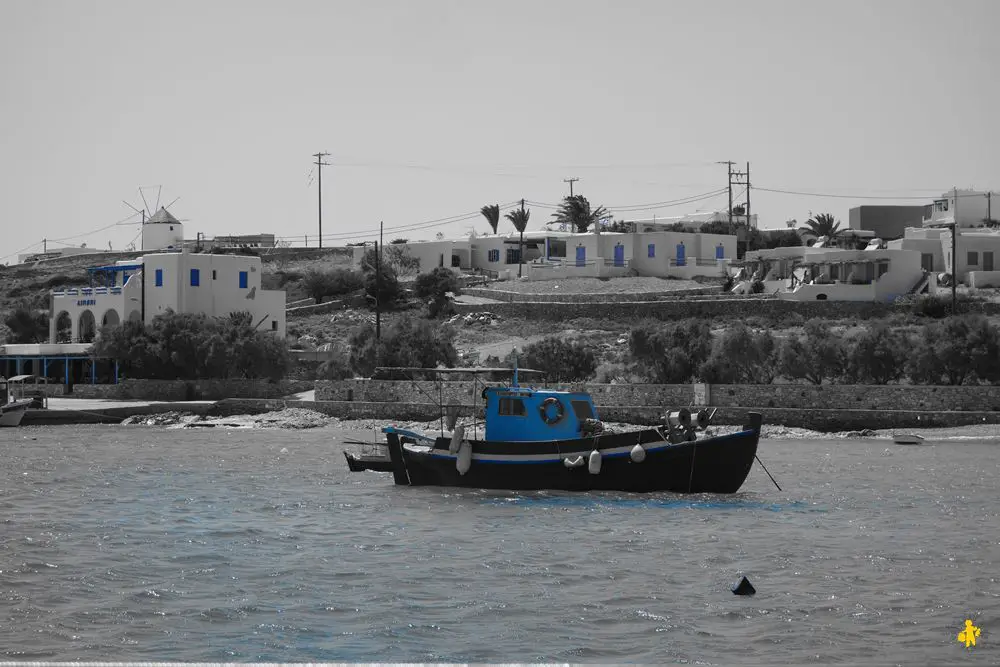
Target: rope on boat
[(765, 470)]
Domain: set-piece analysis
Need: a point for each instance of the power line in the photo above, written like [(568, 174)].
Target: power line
[(841, 196), (24, 249)]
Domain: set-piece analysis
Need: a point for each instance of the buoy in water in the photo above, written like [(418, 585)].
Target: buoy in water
[(744, 587), (638, 454), (595, 462)]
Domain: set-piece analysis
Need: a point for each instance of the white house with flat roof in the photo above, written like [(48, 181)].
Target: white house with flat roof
[(552, 254), (141, 289)]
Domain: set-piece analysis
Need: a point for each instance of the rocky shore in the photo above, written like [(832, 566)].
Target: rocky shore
[(301, 418)]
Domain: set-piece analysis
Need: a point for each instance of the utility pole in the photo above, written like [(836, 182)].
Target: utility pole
[(748, 195), (319, 175), (989, 209), (954, 256), (729, 181), (45, 247), (571, 181), (378, 284)]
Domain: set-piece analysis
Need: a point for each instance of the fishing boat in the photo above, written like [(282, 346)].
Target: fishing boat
[(13, 407), (537, 438)]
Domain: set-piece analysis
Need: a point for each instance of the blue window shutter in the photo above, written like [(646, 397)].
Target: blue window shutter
[(720, 251), (159, 277), (651, 250), (243, 279), (195, 278)]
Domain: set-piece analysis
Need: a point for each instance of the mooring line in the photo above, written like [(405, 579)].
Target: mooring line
[(765, 470)]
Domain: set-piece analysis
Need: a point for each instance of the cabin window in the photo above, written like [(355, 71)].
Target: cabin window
[(973, 259), (243, 279), (159, 277), (582, 409), (195, 277), (511, 407)]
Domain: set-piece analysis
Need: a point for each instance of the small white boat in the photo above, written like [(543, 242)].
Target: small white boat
[(12, 413), (908, 439), (13, 404)]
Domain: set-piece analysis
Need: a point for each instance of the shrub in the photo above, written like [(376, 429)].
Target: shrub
[(408, 342), (434, 288), (188, 347), (669, 354), (334, 369), (319, 284), (741, 356), (817, 356), (958, 350), (877, 355), (561, 360)]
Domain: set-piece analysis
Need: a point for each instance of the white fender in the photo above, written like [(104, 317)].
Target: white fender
[(595, 462), (638, 454), (456, 438), (464, 461), (574, 462)]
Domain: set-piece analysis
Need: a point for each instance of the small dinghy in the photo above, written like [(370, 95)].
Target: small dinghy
[(908, 439)]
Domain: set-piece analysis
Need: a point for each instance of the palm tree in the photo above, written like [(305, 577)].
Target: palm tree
[(492, 214), (519, 218), (822, 224), (575, 210)]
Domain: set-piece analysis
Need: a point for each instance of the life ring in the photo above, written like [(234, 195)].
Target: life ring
[(543, 410)]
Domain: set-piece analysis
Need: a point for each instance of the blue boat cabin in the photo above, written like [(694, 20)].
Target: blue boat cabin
[(521, 414)]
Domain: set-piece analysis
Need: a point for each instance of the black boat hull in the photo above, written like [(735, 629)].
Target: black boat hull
[(712, 465)]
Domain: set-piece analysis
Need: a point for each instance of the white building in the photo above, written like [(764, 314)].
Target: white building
[(141, 289), (693, 220), (162, 232), (557, 254), (972, 208)]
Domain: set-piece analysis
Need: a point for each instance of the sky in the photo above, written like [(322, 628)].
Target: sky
[(431, 109)]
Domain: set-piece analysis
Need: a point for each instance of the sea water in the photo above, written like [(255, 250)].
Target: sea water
[(140, 543)]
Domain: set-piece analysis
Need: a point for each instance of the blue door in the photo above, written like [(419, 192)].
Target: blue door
[(720, 252), (581, 256), (680, 255), (619, 255)]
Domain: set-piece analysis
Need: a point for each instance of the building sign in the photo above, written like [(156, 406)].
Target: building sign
[(86, 302)]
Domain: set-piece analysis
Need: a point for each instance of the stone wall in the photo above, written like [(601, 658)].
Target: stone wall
[(732, 308), (193, 390), (597, 297), (982, 398), (819, 420)]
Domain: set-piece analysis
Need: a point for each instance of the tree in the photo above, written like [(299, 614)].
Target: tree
[(822, 224), (319, 284), (669, 354), (492, 214), (819, 355), (575, 210), (519, 218), (27, 325), (188, 347), (561, 360), (381, 286), (408, 342), (435, 286), (877, 355), (958, 350), (741, 356)]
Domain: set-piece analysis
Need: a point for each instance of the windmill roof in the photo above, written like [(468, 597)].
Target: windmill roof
[(163, 215)]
